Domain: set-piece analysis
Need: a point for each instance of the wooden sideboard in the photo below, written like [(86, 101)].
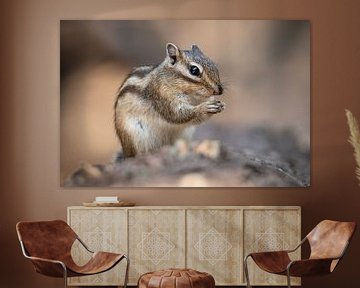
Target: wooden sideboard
[(211, 239)]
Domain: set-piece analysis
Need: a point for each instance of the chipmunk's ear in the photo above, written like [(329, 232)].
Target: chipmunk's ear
[(196, 49), (173, 52)]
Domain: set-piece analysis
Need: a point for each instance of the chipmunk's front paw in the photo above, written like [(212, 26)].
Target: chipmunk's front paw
[(214, 106)]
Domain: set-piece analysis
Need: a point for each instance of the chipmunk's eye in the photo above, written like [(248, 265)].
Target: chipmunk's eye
[(194, 70)]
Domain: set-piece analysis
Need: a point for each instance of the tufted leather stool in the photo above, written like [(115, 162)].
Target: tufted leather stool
[(176, 278)]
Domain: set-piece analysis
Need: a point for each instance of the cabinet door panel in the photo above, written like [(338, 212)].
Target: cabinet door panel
[(214, 244), (270, 230), (156, 240), (100, 230)]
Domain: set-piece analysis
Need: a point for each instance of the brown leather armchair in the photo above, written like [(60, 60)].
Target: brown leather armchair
[(328, 242), (48, 245)]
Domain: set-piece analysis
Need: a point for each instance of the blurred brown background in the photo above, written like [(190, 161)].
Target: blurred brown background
[(30, 120), (264, 66)]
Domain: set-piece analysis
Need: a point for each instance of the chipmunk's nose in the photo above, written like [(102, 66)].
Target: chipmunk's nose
[(220, 88)]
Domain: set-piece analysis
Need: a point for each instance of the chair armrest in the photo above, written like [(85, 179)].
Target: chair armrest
[(45, 260), (48, 267), (309, 267), (279, 251), (298, 246), (84, 245), (268, 253)]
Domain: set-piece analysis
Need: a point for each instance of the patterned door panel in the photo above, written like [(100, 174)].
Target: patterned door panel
[(214, 241), (157, 240), (270, 230), (100, 230)]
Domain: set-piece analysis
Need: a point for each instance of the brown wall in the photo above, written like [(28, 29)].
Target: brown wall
[(29, 113)]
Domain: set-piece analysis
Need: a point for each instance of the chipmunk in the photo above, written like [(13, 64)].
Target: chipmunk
[(156, 105)]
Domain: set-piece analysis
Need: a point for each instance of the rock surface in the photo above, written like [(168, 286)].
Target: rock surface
[(202, 163)]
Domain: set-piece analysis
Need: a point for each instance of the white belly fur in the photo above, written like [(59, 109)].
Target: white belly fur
[(151, 133)]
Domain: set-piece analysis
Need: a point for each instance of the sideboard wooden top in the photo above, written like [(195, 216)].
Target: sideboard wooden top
[(193, 207)]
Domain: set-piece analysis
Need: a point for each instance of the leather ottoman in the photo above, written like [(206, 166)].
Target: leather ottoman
[(176, 278)]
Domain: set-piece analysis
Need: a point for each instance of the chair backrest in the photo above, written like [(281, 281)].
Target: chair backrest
[(329, 239), (46, 239)]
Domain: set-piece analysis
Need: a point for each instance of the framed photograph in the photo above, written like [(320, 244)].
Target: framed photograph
[(185, 103)]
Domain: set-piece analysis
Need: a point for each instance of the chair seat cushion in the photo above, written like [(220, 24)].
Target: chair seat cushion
[(272, 262), (99, 262), (176, 278)]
